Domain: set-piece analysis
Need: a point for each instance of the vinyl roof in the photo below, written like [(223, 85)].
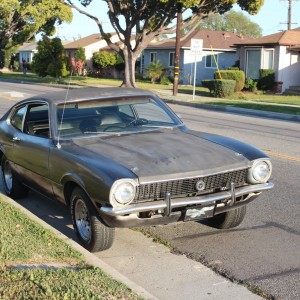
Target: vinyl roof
[(90, 93)]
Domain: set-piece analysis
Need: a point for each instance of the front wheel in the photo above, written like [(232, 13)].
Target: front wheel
[(229, 219), (91, 231), (11, 185)]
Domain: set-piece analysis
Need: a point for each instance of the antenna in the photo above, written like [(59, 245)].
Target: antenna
[(58, 145)]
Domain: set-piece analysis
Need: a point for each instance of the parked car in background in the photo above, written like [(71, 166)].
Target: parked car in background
[(121, 158)]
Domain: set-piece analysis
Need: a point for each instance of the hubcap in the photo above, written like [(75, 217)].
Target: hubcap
[(82, 220), (7, 176)]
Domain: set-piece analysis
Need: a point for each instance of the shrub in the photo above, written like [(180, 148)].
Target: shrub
[(165, 80), (220, 88), (266, 79), (237, 75), (155, 71), (250, 85)]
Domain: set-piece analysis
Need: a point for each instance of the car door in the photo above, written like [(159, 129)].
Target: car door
[(31, 146)]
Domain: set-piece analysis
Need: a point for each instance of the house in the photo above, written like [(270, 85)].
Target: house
[(279, 51), (92, 43), (217, 50), (26, 52)]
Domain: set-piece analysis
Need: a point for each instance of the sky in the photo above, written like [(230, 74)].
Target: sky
[(270, 19)]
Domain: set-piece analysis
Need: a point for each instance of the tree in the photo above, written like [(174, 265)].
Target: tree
[(145, 20), (20, 20), (50, 58), (232, 21)]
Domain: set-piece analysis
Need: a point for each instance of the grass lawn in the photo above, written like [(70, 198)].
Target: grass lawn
[(24, 242)]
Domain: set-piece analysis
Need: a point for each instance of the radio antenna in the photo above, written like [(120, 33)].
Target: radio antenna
[(58, 145)]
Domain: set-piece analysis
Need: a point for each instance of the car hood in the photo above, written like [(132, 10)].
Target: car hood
[(164, 154)]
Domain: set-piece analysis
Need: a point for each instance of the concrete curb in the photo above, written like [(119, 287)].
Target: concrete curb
[(90, 258)]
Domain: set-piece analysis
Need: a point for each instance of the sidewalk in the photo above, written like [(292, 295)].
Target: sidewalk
[(148, 268)]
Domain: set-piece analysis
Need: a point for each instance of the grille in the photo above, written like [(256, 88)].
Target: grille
[(187, 187)]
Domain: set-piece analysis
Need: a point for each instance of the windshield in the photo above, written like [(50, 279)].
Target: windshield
[(113, 117)]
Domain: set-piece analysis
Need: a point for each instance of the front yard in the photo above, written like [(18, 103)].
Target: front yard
[(35, 264)]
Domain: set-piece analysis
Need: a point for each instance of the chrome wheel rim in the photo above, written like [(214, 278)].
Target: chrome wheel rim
[(82, 220), (7, 174)]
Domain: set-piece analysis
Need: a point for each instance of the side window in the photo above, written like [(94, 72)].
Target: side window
[(37, 120), (152, 112), (17, 118)]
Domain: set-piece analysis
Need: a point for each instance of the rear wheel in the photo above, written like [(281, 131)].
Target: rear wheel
[(11, 185), (229, 219), (91, 231)]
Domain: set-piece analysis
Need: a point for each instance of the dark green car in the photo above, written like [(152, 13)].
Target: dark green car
[(121, 158)]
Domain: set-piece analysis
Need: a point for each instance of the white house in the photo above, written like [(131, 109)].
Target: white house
[(27, 51), (279, 51), (92, 43)]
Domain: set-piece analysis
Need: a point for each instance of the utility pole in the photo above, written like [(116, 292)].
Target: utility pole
[(177, 50), (289, 21), (290, 15)]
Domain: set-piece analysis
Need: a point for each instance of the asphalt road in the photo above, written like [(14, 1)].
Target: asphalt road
[(264, 249)]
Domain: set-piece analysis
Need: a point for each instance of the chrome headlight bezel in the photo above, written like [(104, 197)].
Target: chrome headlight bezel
[(115, 195), (260, 171)]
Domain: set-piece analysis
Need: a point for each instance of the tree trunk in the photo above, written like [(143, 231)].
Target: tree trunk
[(130, 60)]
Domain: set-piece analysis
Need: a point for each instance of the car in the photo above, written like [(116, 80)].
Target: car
[(120, 157)]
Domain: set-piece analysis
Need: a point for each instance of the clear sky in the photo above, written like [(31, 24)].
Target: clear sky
[(270, 17)]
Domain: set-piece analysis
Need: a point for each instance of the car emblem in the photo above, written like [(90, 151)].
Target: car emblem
[(200, 185)]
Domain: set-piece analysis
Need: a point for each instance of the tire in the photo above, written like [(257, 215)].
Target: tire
[(11, 185), (91, 231), (229, 219)]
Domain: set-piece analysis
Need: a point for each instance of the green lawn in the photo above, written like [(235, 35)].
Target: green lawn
[(23, 242)]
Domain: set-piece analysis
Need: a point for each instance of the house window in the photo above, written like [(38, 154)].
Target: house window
[(171, 59), (210, 61), (268, 61), (253, 63), (153, 57)]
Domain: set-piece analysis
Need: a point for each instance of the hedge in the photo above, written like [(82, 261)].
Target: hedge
[(237, 75), (266, 79), (220, 88)]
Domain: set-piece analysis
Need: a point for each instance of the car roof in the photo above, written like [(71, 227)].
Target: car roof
[(90, 93)]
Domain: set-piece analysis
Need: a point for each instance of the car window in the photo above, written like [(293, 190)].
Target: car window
[(117, 115), (152, 112), (17, 118), (37, 120)]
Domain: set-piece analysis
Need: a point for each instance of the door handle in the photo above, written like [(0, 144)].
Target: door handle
[(16, 139)]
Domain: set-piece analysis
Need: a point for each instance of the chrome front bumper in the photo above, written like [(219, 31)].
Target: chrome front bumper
[(127, 216)]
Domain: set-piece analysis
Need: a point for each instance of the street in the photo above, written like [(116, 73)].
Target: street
[(264, 250)]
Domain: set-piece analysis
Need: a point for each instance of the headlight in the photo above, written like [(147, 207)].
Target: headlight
[(260, 171), (123, 191)]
